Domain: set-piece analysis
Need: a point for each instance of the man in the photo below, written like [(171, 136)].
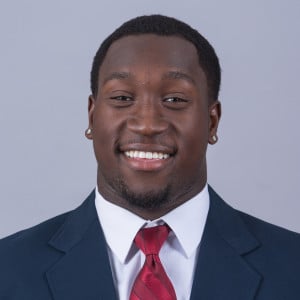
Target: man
[(152, 229)]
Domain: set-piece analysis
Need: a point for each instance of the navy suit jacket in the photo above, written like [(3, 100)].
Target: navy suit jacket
[(65, 258)]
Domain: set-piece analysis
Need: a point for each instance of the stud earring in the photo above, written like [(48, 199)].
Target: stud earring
[(214, 138), (88, 131)]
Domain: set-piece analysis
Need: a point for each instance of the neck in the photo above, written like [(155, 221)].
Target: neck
[(150, 213)]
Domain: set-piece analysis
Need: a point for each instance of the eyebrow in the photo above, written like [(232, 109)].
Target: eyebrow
[(179, 75), (118, 75)]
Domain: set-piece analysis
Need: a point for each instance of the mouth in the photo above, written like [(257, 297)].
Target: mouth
[(147, 157)]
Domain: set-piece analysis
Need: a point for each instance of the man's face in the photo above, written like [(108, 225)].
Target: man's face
[(151, 122)]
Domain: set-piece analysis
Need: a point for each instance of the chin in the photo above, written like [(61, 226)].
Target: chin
[(147, 198)]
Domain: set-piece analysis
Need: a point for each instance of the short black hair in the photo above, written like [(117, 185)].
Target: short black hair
[(164, 26)]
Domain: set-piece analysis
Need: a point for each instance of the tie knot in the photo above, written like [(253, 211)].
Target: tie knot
[(150, 240)]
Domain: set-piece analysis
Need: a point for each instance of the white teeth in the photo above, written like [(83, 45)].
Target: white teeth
[(147, 155), (142, 154)]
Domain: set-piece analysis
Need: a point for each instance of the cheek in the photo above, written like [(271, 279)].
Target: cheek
[(103, 136), (193, 141), (105, 122), (194, 151), (195, 126)]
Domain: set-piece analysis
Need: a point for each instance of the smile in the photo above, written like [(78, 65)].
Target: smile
[(146, 155)]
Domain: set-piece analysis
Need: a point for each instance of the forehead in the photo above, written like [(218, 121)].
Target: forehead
[(153, 53)]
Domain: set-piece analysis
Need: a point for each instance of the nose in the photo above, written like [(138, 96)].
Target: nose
[(147, 120)]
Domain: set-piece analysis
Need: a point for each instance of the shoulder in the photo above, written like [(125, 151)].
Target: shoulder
[(40, 233), (39, 236), (272, 252), (277, 258), (278, 239), (236, 223), (28, 250), (27, 256), (269, 247)]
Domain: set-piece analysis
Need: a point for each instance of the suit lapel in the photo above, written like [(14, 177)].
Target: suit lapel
[(221, 271), (84, 271)]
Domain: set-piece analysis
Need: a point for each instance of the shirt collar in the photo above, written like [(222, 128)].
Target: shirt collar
[(120, 226)]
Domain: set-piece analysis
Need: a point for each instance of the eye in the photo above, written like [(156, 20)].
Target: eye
[(122, 98), (174, 99), (175, 102)]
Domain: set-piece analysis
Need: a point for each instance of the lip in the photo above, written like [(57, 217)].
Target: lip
[(143, 164)]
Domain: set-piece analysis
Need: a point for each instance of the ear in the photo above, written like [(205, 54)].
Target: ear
[(91, 107), (214, 119)]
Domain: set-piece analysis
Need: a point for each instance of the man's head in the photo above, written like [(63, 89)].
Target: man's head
[(152, 112)]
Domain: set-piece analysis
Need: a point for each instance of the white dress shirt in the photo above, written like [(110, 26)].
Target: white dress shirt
[(178, 254)]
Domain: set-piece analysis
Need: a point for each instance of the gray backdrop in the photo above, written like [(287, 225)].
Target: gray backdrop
[(48, 167)]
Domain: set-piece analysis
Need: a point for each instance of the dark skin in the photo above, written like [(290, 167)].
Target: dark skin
[(152, 97)]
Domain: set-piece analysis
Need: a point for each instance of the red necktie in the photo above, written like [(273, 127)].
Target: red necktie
[(152, 282)]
